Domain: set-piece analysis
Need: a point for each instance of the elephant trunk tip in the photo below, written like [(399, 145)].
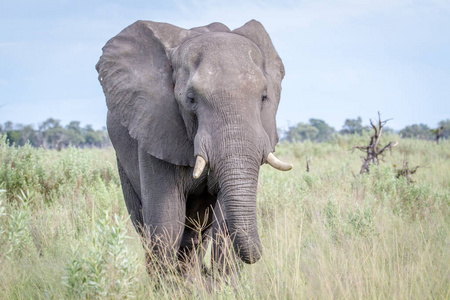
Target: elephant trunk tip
[(250, 257), (249, 251)]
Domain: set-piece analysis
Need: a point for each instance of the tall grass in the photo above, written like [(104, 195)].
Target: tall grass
[(329, 233)]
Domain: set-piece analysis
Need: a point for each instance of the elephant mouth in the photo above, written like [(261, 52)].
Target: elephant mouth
[(271, 159)]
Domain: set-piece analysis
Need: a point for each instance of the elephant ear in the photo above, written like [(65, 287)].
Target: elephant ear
[(136, 77), (274, 71)]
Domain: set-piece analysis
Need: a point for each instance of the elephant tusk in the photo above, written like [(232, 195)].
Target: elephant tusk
[(199, 167), (278, 164)]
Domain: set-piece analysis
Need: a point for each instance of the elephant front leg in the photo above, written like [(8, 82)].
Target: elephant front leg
[(132, 200), (199, 215), (192, 252), (163, 209)]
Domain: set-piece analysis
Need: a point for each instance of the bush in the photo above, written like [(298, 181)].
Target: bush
[(48, 173), (108, 269)]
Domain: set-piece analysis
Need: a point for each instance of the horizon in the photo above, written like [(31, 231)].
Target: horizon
[(365, 125)]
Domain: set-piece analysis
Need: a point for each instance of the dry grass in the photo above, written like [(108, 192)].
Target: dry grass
[(326, 234)]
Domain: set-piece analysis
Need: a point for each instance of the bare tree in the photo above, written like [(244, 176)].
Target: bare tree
[(374, 151), (406, 171)]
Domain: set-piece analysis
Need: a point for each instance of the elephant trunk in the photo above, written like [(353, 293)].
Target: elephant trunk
[(239, 200), (237, 172)]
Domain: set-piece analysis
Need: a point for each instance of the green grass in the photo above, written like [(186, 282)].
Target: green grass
[(329, 233)]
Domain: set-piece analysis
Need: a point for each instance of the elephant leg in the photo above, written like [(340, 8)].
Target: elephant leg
[(192, 250), (223, 258), (163, 208), (194, 243), (132, 200)]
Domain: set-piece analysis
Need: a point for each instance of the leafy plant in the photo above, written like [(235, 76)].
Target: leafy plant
[(107, 269)]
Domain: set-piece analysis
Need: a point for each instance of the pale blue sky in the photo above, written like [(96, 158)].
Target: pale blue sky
[(343, 59)]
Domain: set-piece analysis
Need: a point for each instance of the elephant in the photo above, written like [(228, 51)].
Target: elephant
[(191, 116)]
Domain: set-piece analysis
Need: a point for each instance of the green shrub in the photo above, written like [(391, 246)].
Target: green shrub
[(333, 218), (48, 173), (360, 222), (107, 269), (15, 238)]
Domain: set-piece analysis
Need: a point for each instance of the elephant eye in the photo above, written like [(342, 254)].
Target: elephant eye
[(264, 96), (191, 97)]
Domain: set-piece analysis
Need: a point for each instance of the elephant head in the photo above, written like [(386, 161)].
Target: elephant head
[(201, 97)]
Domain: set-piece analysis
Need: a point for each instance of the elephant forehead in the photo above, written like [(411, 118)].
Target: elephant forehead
[(219, 48), (227, 73)]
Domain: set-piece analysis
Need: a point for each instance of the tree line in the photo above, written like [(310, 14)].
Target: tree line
[(51, 134), (319, 131)]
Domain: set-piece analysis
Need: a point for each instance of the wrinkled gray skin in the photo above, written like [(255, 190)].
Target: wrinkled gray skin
[(173, 94)]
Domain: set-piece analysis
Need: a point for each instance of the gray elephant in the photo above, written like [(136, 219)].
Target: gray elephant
[(191, 115)]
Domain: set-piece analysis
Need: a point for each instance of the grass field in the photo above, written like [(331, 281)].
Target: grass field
[(328, 233)]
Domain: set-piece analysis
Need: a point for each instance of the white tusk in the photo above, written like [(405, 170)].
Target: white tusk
[(278, 164), (199, 167)]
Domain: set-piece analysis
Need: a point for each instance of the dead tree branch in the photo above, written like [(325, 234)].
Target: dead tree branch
[(374, 152), (406, 171)]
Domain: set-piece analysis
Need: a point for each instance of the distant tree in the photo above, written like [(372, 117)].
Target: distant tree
[(316, 130), (301, 132), (325, 131), (19, 134), (90, 136), (389, 130), (74, 134), (88, 128), (56, 138), (352, 126), (28, 135), (52, 134), (8, 126), (13, 137), (49, 124), (420, 131), (75, 127), (95, 138)]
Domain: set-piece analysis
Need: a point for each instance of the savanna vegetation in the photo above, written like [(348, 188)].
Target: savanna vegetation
[(51, 134), (327, 233), (318, 130)]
